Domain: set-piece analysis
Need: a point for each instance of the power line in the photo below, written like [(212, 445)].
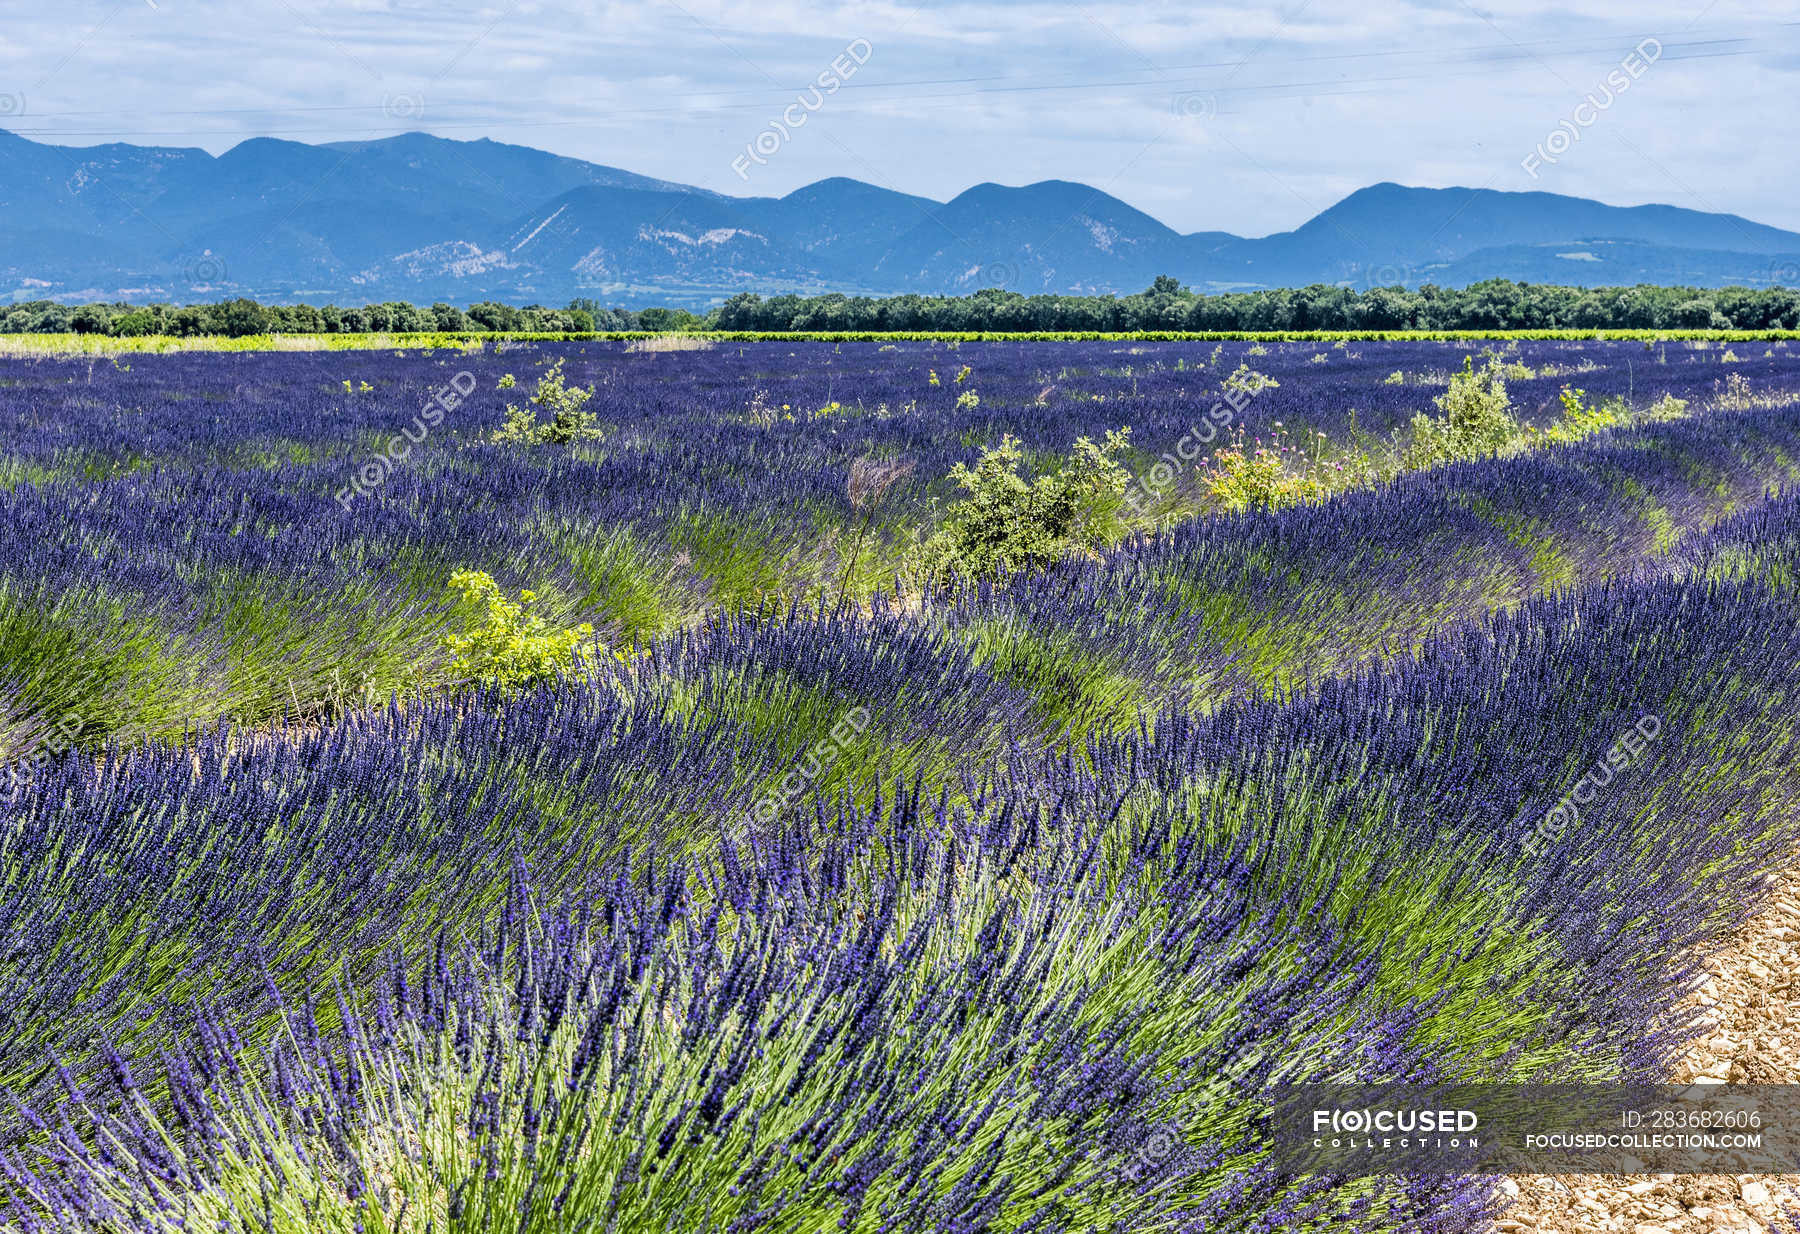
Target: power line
[(1319, 88)]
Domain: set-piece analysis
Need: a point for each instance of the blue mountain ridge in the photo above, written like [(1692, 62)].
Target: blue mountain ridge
[(427, 218)]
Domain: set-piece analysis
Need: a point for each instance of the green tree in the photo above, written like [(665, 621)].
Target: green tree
[(569, 418), (237, 318), (90, 319), (665, 319), (489, 315), (136, 324), (448, 317)]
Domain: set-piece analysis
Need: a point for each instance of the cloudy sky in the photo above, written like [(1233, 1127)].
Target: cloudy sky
[(1236, 117)]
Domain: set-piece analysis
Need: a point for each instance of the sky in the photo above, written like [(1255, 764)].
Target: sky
[(1233, 117)]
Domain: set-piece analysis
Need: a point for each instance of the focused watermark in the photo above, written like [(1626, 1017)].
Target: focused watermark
[(1163, 1151), (1373, 277), (823, 755), (374, 473), (1596, 103), (1151, 486), (1624, 751), (204, 270), (1001, 275), (403, 106), (57, 742), (1448, 1129), (1195, 105), (780, 130)]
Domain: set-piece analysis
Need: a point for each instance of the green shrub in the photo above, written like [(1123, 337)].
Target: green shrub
[(1246, 380), (1244, 476), (1006, 523), (1477, 417), (1581, 419), (1476, 406), (569, 418), (504, 643)]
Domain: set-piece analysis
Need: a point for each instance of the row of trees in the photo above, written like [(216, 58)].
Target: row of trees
[(1498, 304), (237, 318)]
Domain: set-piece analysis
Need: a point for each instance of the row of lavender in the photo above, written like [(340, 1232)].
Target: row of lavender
[(426, 967), (256, 409), (206, 536), (1224, 607)]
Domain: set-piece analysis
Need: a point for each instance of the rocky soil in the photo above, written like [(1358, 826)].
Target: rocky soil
[(1751, 1004)]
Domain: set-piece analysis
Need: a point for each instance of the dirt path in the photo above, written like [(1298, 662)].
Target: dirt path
[(1752, 1004)]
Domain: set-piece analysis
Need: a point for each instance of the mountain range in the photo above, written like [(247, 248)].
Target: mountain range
[(425, 218)]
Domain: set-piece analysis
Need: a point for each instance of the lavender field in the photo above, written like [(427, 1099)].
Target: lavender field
[(824, 885)]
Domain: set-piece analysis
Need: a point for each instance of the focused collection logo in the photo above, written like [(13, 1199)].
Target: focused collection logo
[(1401, 1128)]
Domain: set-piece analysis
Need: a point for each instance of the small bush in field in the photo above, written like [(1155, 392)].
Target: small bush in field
[(1246, 380), (569, 418), (1245, 476), (504, 643), (1477, 417), (1007, 523), (1582, 419)]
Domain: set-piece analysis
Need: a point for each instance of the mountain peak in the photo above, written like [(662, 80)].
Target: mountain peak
[(424, 217)]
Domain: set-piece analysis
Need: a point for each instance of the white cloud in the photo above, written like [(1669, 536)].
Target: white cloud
[(1309, 100)]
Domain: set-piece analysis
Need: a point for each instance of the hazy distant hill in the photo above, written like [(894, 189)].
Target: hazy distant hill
[(425, 218)]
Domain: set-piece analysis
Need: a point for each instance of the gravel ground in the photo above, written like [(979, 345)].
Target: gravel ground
[(1752, 1008)]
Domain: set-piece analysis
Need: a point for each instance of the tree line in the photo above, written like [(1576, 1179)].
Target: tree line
[(1497, 304), (242, 317)]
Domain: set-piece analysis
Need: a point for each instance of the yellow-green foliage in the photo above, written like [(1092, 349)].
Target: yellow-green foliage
[(569, 418), (1738, 395), (1245, 476), (1579, 419), (504, 643)]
